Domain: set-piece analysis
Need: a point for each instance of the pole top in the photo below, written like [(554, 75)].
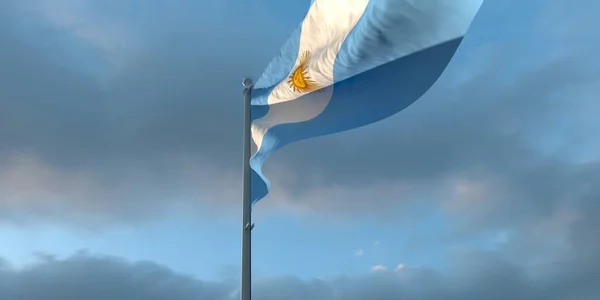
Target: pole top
[(247, 82)]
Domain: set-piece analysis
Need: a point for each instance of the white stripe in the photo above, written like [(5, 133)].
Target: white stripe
[(300, 110), (324, 29)]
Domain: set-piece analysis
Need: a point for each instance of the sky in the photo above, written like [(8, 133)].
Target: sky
[(120, 161)]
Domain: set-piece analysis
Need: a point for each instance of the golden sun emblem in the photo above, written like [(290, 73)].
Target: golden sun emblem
[(299, 80)]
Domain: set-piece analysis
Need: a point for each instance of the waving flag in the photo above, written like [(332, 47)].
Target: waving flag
[(351, 63)]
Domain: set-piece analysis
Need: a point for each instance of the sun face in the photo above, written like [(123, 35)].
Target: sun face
[(299, 80)]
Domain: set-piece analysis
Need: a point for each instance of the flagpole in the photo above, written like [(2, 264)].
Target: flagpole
[(246, 281)]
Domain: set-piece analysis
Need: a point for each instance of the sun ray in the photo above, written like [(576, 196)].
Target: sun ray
[(299, 80)]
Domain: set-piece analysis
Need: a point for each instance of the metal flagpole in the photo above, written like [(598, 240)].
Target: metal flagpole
[(247, 225)]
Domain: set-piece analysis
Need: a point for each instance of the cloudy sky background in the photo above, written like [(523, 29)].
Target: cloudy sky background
[(120, 156)]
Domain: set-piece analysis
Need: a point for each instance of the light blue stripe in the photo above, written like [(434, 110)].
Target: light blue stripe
[(360, 100), (375, 40), (385, 84)]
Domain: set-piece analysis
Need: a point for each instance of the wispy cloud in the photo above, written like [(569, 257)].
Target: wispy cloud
[(86, 20), (378, 268)]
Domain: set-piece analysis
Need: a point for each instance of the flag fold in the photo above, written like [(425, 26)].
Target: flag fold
[(351, 63)]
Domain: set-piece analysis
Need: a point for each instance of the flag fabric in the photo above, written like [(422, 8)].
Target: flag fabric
[(351, 63)]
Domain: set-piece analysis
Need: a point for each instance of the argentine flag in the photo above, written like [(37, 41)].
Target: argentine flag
[(351, 63)]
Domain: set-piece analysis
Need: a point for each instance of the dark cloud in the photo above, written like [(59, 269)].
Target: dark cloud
[(89, 277), (163, 123), (157, 121), (571, 275), (498, 146), (513, 137), (508, 118), (179, 93)]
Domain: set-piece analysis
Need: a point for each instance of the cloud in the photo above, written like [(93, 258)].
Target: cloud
[(493, 144), (471, 275), (378, 268), (120, 123), (107, 118), (69, 115), (359, 252), (83, 276)]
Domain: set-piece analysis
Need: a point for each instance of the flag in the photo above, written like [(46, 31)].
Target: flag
[(351, 63)]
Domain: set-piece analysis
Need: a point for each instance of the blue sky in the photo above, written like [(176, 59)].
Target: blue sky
[(120, 134), (284, 244)]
